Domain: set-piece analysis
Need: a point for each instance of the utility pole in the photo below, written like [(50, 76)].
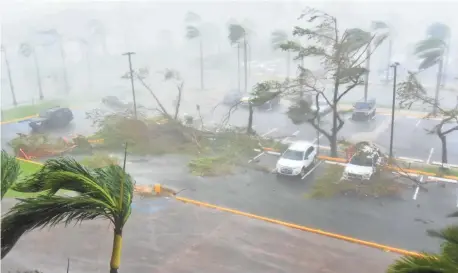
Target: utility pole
[(37, 69), (129, 54), (395, 72), (368, 68), (62, 55), (13, 94)]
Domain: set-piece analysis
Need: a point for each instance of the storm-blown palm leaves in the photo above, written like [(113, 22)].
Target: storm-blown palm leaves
[(278, 38), (430, 51), (446, 261), (10, 172), (25, 49), (192, 32), (236, 33), (97, 195)]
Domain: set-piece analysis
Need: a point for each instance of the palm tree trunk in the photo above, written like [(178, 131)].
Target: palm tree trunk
[(201, 64), (245, 60), (368, 67), (288, 64), (238, 65), (116, 252), (64, 67), (13, 94), (443, 139), (444, 69), (37, 69), (438, 85)]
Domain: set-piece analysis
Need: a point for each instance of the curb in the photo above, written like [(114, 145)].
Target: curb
[(18, 119), (303, 228)]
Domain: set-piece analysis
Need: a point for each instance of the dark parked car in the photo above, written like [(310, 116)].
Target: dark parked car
[(363, 111), (53, 118)]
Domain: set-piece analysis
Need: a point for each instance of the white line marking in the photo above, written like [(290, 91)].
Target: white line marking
[(274, 170), (269, 132), (408, 159), (430, 155), (312, 169), (418, 123), (296, 133), (417, 189), (316, 139), (256, 157)]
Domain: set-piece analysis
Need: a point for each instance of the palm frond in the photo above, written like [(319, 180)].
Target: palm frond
[(449, 247), (192, 32), (236, 33), (10, 172), (192, 17), (429, 61), (68, 174), (438, 31), (379, 25), (278, 37), (44, 211), (428, 44), (424, 264)]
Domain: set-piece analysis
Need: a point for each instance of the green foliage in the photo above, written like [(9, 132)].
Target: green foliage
[(99, 160), (278, 38), (102, 193), (10, 172), (192, 32), (236, 33), (446, 261), (28, 110)]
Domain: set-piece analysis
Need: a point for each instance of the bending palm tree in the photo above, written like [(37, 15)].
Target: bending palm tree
[(10, 172), (193, 32), (432, 51), (101, 193), (444, 262), (237, 35)]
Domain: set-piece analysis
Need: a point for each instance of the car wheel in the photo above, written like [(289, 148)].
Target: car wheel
[(303, 172)]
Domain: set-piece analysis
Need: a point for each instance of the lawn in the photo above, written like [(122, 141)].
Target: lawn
[(27, 110), (27, 168)]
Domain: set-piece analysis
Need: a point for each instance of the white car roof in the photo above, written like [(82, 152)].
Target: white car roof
[(300, 146)]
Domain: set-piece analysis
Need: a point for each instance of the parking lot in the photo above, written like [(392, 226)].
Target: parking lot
[(399, 223)]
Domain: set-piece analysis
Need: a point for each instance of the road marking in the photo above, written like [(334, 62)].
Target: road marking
[(312, 169), (269, 132), (408, 159), (418, 123), (316, 139), (430, 155), (417, 189), (256, 157), (296, 133)]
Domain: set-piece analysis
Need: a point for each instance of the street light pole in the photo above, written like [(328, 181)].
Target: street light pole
[(395, 68), (132, 81)]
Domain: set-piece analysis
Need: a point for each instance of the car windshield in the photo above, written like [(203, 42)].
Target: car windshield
[(293, 155), (362, 105), (361, 161)]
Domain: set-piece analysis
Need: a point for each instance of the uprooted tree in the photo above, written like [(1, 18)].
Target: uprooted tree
[(412, 91), (342, 54)]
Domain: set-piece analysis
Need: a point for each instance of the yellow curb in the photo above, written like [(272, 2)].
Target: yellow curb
[(303, 228), (30, 161), (18, 119)]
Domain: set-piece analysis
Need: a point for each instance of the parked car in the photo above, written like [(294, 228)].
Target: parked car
[(115, 102), (297, 159), (363, 111), (53, 118), (232, 97), (363, 165), (265, 105)]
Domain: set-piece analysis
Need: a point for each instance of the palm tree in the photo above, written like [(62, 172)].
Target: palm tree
[(279, 37), (193, 31), (375, 26), (446, 261), (10, 172), (100, 193), (432, 51), (13, 93), (237, 35), (26, 50), (56, 37)]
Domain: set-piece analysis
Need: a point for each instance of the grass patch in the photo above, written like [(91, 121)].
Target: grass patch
[(330, 185), (27, 110), (99, 160), (27, 168), (439, 171), (211, 166)]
